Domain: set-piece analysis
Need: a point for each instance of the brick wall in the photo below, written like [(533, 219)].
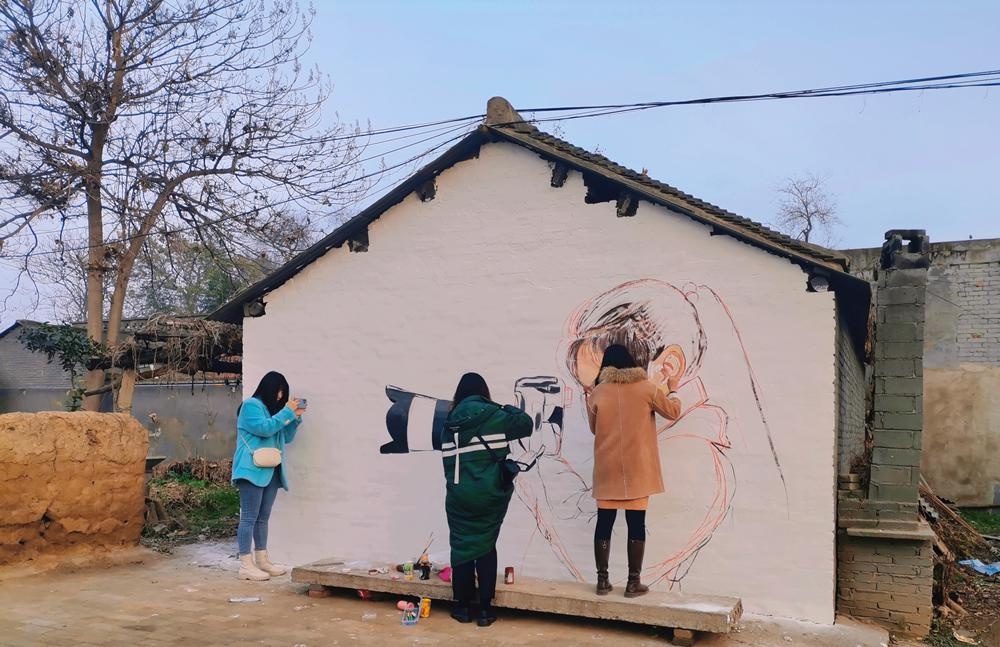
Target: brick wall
[(884, 553), (961, 364), (977, 298), (888, 582), (851, 392), (21, 368)]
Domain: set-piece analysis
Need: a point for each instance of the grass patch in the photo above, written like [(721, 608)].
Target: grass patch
[(983, 521), (941, 635), (198, 509)]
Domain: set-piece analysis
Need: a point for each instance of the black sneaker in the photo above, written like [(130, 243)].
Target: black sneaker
[(486, 618), (461, 614)]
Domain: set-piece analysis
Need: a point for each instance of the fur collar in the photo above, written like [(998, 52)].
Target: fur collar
[(612, 375)]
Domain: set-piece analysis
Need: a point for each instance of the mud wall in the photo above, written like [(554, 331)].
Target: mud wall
[(71, 485)]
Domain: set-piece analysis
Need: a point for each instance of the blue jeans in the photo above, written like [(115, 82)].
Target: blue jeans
[(255, 510)]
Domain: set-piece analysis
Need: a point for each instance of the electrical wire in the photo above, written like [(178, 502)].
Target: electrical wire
[(987, 78), (223, 219)]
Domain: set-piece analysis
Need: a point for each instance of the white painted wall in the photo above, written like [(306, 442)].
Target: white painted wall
[(483, 278)]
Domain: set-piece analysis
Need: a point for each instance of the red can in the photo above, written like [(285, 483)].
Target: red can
[(508, 575)]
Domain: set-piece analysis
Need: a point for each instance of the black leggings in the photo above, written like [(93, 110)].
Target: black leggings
[(463, 579), (636, 520)]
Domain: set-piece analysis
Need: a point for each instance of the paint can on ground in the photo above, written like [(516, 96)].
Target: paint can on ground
[(508, 575), (425, 607)]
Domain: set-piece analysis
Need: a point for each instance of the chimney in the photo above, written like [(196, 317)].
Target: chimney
[(901, 285)]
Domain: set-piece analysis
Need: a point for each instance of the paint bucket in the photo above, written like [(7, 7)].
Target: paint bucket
[(425, 607)]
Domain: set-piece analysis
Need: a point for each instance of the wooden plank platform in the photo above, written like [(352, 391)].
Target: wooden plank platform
[(713, 614)]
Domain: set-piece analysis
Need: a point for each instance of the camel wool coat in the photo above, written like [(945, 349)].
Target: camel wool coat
[(626, 452)]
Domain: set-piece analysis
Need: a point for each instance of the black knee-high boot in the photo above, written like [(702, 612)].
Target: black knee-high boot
[(462, 585), (486, 574)]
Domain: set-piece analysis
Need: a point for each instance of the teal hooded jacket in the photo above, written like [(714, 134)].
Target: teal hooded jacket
[(256, 428)]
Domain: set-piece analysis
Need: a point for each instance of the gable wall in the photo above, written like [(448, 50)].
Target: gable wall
[(485, 278)]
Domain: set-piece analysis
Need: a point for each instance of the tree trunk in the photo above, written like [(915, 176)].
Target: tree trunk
[(95, 259), (123, 399)]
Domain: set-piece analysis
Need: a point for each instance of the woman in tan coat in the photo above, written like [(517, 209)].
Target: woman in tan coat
[(621, 410)]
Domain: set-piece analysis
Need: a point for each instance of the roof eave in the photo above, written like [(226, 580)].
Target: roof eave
[(232, 310), (718, 225)]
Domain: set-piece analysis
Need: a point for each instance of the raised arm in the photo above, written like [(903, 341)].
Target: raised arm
[(669, 408), (518, 424), (254, 418)]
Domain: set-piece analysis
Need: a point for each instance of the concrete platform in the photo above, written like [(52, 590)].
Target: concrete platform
[(712, 614)]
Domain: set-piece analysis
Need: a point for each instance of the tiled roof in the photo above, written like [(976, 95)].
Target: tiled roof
[(672, 195), (504, 123)]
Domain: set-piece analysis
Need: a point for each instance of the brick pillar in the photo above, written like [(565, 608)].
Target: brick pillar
[(884, 552)]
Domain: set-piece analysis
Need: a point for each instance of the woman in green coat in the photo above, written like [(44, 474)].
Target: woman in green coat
[(475, 443)]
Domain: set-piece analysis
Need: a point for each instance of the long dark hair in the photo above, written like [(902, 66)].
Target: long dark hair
[(471, 384), (616, 356), (267, 391)]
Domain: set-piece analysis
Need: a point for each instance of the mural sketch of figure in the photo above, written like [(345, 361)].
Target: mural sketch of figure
[(554, 492), (661, 326), (415, 422)]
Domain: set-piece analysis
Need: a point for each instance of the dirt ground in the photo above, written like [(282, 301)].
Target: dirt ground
[(183, 599)]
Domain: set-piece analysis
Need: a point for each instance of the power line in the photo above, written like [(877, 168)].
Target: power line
[(772, 95), (987, 78), (440, 132), (223, 219)]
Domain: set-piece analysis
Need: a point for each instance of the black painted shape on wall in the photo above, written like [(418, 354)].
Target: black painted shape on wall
[(397, 420)]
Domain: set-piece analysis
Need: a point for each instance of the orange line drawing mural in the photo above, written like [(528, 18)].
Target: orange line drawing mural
[(663, 328), (661, 325)]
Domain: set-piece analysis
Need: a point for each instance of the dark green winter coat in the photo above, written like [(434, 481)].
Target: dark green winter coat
[(476, 502)]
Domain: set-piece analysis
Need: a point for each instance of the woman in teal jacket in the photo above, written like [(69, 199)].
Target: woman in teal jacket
[(267, 419), (475, 442)]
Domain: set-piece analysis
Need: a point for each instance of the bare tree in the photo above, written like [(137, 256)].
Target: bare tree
[(806, 211), (146, 119)]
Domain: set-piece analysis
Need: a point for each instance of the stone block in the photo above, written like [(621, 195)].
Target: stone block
[(898, 421), (895, 515), (895, 403), (894, 492), (904, 313), (891, 296), (901, 457), (715, 614), (899, 386), (895, 368), (899, 350), (899, 332), (896, 439), (916, 278)]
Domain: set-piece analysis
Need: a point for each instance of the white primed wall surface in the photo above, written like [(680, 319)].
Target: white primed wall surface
[(485, 278)]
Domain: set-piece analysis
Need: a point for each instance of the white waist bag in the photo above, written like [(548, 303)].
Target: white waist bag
[(265, 456)]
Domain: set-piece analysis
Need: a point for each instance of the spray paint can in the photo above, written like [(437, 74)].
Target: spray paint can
[(425, 607), (508, 575)]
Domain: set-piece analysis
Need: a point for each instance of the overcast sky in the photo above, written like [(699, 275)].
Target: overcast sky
[(924, 160)]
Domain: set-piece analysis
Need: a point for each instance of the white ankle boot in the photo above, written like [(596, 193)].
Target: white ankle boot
[(264, 564), (249, 571)]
